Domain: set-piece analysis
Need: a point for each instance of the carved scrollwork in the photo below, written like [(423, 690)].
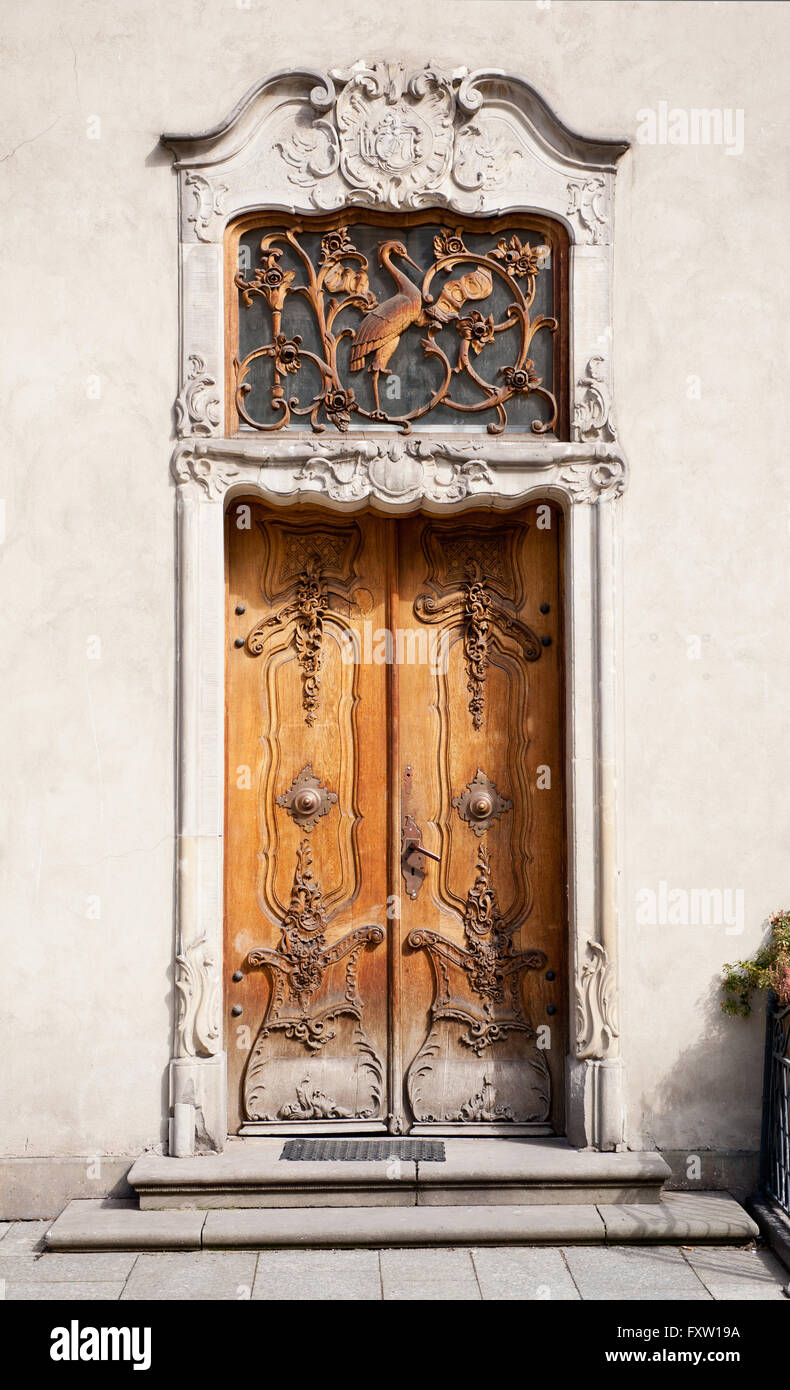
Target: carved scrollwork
[(208, 204), (596, 1023), (198, 409), (396, 132), (313, 1104), (400, 138), (483, 1105), (587, 200), (592, 414), (476, 607), (595, 482), (485, 152), (213, 476), (307, 610), (478, 986), (503, 278), (477, 604), (197, 983), (314, 1008), (402, 470)]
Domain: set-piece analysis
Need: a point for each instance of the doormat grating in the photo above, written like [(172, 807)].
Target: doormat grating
[(347, 1150)]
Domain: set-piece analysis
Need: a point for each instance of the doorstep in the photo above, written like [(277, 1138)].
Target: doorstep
[(678, 1218), (475, 1172)]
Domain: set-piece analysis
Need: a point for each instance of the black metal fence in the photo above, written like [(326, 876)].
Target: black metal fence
[(775, 1148)]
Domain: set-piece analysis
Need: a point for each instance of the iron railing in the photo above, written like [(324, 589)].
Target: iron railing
[(775, 1147)]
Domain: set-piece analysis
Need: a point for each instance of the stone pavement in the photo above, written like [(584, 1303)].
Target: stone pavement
[(623, 1273)]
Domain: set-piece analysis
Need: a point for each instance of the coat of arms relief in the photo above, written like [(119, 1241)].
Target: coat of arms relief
[(396, 137)]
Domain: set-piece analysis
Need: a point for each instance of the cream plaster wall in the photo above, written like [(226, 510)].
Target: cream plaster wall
[(89, 290)]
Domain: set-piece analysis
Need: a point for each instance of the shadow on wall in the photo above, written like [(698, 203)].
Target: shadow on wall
[(705, 1114)]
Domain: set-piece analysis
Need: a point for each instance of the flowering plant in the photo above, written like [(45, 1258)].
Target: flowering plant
[(768, 968)]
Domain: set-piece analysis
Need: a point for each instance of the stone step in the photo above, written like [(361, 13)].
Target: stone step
[(477, 1172), (679, 1218)]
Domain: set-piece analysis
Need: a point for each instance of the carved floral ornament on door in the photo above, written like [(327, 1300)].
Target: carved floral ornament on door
[(365, 160)]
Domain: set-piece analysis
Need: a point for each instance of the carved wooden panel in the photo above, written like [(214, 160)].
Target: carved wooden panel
[(483, 944), (341, 323), (395, 882), (306, 879)]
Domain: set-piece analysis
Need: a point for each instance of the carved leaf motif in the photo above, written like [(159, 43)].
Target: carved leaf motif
[(483, 1106), (596, 1024), (595, 482), (592, 416), (312, 1104), (477, 606), (197, 982), (197, 406), (307, 611)]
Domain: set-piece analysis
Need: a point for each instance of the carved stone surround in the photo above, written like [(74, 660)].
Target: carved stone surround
[(382, 137)]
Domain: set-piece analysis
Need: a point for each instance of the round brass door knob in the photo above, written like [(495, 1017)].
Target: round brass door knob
[(307, 802), (481, 806)]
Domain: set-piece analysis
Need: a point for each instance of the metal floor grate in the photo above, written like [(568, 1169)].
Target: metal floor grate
[(347, 1150)]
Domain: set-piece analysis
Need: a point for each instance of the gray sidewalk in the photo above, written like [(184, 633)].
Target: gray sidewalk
[(622, 1273)]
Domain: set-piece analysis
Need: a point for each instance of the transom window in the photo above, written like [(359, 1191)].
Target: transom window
[(361, 322)]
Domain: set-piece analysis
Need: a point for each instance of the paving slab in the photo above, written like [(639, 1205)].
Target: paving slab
[(429, 1275), (357, 1226), (102, 1225), (634, 1274), (318, 1275), (201, 1274), (680, 1216), (71, 1292), (24, 1237), (57, 1269), (511, 1272), (4, 1227), (741, 1274)]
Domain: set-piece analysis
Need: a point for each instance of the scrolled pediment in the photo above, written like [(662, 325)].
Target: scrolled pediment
[(383, 136)]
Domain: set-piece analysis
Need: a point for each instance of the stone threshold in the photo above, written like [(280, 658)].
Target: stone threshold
[(476, 1172), (678, 1218)]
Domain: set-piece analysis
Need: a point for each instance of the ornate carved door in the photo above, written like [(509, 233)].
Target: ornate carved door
[(394, 861)]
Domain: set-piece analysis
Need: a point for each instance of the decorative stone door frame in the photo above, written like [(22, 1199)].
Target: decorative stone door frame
[(302, 141)]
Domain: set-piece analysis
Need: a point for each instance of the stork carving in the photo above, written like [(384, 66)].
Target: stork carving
[(381, 328)]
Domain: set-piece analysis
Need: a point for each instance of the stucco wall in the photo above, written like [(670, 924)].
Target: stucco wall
[(89, 290)]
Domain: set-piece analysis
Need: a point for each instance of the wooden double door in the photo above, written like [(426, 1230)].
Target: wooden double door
[(395, 887)]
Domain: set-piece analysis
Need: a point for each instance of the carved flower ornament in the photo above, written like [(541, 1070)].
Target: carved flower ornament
[(476, 330)]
